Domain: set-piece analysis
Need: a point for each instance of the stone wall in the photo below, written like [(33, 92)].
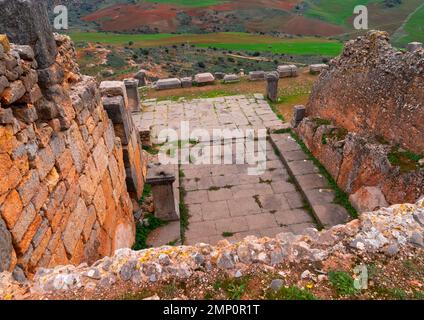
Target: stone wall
[(119, 108), (374, 89), (388, 231), (360, 166), (63, 196)]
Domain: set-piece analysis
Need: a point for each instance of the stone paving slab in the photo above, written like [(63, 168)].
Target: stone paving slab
[(164, 235), (313, 186), (331, 214), (312, 181), (223, 200), (234, 112)]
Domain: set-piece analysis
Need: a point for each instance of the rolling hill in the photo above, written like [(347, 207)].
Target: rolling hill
[(403, 18)]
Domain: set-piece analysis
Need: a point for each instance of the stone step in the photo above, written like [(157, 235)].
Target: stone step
[(313, 186), (165, 235)]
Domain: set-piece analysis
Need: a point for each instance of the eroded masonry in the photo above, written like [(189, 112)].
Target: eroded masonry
[(73, 168), (63, 190)]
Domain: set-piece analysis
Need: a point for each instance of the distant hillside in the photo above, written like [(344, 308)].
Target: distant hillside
[(403, 18)]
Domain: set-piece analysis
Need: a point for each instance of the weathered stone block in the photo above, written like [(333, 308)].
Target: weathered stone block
[(25, 113), (113, 89), (11, 209), (187, 82), (25, 52), (231, 78), (116, 111), (6, 247), (51, 76), (32, 96), (298, 115), (29, 186), (13, 93), (4, 83), (131, 86), (219, 75), (26, 22), (9, 173), (64, 163), (204, 78), (44, 161), (40, 197), (141, 77), (317, 68), (100, 157), (256, 75), (30, 79), (272, 85), (368, 199), (75, 226), (287, 71), (162, 179), (164, 84), (414, 46), (6, 116)]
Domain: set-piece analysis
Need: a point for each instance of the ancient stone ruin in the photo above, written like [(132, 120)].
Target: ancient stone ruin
[(357, 130), (72, 167), (63, 194)]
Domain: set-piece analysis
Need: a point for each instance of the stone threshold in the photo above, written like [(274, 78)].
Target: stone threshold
[(312, 185)]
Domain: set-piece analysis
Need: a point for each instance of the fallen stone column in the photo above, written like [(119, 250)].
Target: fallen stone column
[(231, 78), (204, 78), (287, 71), (317, 68), (256, 75), (187, 82), (165, 84)]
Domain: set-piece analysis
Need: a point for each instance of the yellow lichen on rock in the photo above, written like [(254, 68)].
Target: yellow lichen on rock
[(4, 41)]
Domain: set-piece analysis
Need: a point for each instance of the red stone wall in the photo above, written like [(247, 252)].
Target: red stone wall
[(357, 162), (375, 89), (63, 196)]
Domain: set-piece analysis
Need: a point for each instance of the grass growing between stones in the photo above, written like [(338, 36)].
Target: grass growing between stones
[(143, 231), (137, 296), (234, 289), (290, 293), (342, 282), (215, 93), (227, 234), (184, 213), (407, 161), (341, 197)]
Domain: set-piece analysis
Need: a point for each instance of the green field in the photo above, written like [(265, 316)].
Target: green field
[(188, 3), (334, 11), (116, 38), (289, 47), (226, 40), (414, 27)]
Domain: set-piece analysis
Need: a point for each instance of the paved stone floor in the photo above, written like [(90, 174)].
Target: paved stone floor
[(224, 201), (235, 112)]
